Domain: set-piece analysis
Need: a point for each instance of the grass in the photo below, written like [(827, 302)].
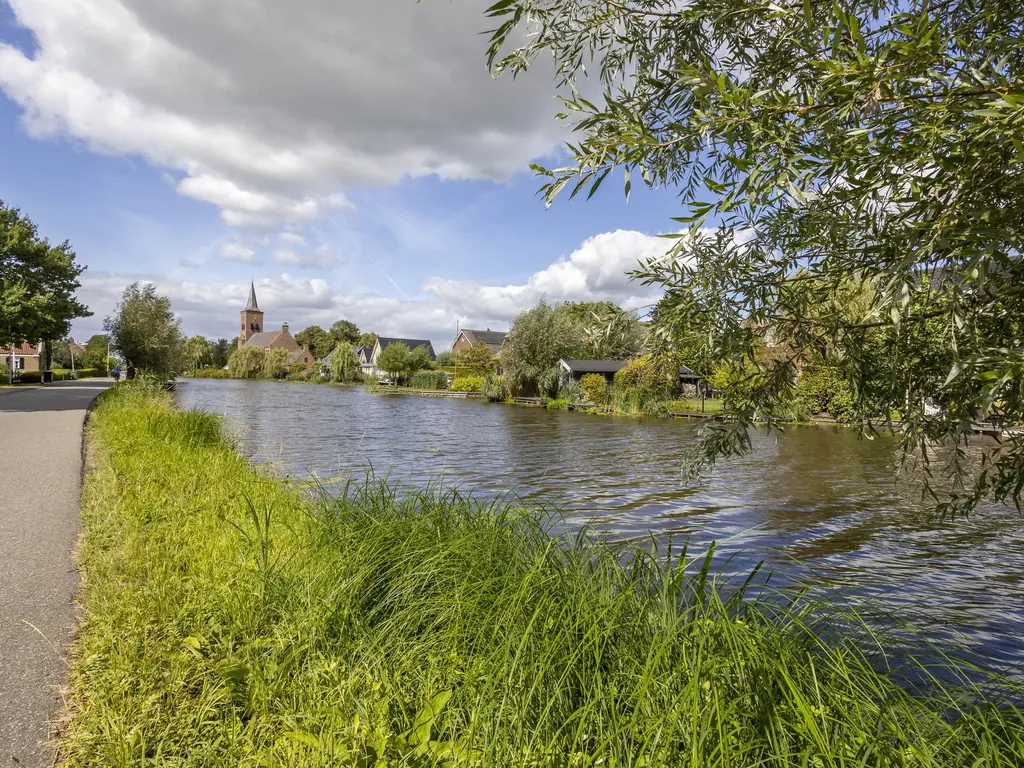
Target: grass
[(711, 405), (232, 619)]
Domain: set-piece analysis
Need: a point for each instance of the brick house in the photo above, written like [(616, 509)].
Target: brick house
[(253, 334), (22, 358), (468, 339)]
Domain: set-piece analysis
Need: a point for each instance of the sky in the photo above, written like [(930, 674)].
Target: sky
[(355, 160)]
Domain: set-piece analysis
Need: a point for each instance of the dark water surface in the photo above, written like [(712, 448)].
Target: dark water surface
[(817, 504)]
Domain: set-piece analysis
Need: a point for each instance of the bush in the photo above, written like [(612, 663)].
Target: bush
[(429, 380), (211, 373), (468, 384), (595, 388), (557, 404), (570, 390), (495, 389), (822, 388)]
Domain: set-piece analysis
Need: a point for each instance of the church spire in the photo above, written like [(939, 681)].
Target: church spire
[(252, 306)]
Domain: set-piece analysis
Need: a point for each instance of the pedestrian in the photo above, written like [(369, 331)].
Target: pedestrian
[(116, 373)]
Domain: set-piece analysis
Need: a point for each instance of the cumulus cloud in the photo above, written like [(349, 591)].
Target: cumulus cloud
[(596, 271), (237, 252), (270, 110)]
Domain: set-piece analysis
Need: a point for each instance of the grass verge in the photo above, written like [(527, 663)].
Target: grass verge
[(231, 620)]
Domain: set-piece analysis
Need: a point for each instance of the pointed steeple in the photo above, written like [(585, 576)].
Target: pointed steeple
[(252, 306)]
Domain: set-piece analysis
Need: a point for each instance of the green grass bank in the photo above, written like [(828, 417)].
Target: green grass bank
[(232, 619)]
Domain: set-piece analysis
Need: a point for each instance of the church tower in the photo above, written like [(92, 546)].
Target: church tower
[(252, 317)]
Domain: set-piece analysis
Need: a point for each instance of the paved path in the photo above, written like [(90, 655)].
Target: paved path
[(40, 484)]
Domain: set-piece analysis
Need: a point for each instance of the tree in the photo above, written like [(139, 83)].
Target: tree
[(443, 359), (872, 141), (37, 283), (418, 360), (317, 340), (345, 330), (198, 352), (96, 351), (539, 337), (478, 360), (394, 359), (368, 340), (144, 330), (277, 363), (60, 355), (344, 366), (221, 351), (247, 362)]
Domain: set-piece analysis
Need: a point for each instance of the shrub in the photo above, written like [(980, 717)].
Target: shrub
[(495, 388), (822, 388), (247, 362), (212, 373), (570, 390), (557, 404), (595, 388), (468, 384), (429, 380), (29, 377)]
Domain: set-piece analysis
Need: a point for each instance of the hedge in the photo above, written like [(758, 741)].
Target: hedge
[(59, 374)]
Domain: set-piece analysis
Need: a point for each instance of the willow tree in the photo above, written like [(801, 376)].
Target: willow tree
[(814, 143)]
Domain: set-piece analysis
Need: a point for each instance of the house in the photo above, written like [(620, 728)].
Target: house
[(22, 358), (362, 356), (468, 339), (577, 369), (370, 367), (253, 334)]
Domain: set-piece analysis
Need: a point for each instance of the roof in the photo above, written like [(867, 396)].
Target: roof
[(493, 339), (383, 341), (24, 350), (262, 339), (252, 306), (592, 366), (297, 353), (609, 366)]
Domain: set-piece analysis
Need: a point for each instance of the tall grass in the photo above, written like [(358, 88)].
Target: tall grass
[(233, 620)]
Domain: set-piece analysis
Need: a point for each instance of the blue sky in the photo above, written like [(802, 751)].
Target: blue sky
[(399, 199)]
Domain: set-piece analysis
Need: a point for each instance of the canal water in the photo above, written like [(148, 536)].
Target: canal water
[(817, 505)]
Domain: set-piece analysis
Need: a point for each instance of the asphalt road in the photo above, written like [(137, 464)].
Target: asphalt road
[(40, 486)]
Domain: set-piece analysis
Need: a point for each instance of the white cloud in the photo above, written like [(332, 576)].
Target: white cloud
[(292, 238), (596, 271), (320, 258), (242, 254), (270, 110)]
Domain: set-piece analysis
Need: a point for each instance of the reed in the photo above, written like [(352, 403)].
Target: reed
[(232, 618)]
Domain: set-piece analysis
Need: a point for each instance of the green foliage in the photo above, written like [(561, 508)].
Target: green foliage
[(345, 330), (96, 351), (198, 352), (144, 330), (418, 360), (60, 355), (467, 384), (429, 380), (368, 340), (822, 388), (220, 351), (37, 282), (495, 389), (557, 404), (59, 374), (443, 359), (211, 373), (318, 341), (833, 146), (277, 363), (394, 359), (344, 365), (595, 388), (247, 362), (233, 623), (539, 337), (479, 360)]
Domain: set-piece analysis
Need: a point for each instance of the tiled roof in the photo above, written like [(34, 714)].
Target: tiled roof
[(493, 339), (24, 349), (262, 339), (410, 343)]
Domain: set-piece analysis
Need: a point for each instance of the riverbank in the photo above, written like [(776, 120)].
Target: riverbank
[(230, 620)]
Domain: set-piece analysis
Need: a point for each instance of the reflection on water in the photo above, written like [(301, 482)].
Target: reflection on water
[(818, 505)]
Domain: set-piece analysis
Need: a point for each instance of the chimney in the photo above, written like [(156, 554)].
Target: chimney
[(284, 327)]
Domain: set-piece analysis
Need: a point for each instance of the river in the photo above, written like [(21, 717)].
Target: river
[(818, 505)]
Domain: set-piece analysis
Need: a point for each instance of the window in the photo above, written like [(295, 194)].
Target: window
[(19, 363)]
